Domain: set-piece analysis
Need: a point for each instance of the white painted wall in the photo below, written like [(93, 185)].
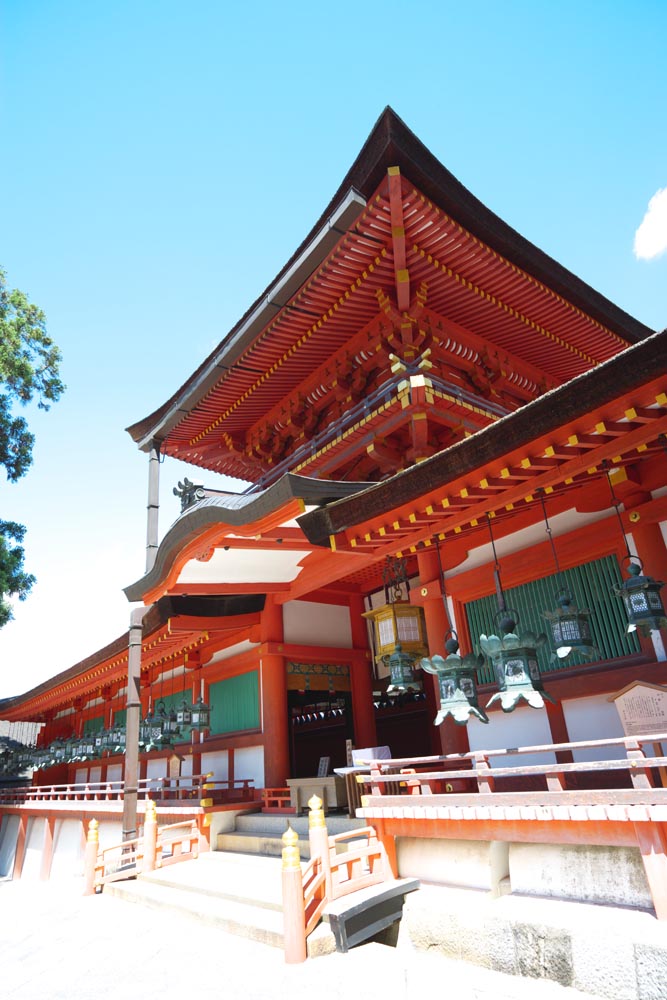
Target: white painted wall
[(593, 718), (310, 623), (186, 766), (249, 763), (32, 863), (67, 849), (95, 774), (115, 772), (524, 727), (218, 763), (9, 831), (156, 769)]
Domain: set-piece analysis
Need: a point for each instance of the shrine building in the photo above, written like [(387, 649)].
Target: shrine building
[(435, 427)]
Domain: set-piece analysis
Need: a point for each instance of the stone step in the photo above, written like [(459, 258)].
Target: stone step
[(261, 833), (239, 894), (276, 824), (257, 844)]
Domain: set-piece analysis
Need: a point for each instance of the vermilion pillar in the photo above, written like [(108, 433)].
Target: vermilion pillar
[(273, 697), (650, 547), (361, 680), (448, 737)]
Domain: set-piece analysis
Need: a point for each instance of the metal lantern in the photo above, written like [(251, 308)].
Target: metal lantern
[(401, 671), (399, 630), (170, 727), (571, 628), (570, 625), (150, 732), (456, 681), (117, 738), (201, 714), (514, 659), (642, 601), (184, 715)]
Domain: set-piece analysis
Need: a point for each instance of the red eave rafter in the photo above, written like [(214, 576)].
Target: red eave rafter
[(465, 280), (576, 454)]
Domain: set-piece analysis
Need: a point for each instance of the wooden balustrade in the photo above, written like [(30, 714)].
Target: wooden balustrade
[(329, 875), (162, 789), (628, 808)]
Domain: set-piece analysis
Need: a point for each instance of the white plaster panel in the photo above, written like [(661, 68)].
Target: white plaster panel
[(231, 651), (218, 763), (81, 776), (245, 566), (95, 774), (524, 727), (115, 772), (593, 718), (67, 849), (9, 831), (313, 624), (32, 862), (249, 763), (186, 766), (156, 769), (467, 863)]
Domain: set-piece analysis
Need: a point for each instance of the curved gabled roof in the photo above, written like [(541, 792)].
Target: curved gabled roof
[(390, 144)]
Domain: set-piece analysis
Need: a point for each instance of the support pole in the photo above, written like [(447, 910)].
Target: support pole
[(132, 724), (153, 506)]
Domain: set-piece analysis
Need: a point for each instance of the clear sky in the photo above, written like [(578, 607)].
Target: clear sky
[(161, 161)]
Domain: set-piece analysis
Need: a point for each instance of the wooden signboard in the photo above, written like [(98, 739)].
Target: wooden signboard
[(642, 708), (323, 768)]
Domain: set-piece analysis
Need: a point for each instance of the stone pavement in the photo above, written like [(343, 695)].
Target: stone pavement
[(56, 944)]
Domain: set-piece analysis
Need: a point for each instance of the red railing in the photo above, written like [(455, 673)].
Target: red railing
[(157, 848), (160, 789), (330, 874)]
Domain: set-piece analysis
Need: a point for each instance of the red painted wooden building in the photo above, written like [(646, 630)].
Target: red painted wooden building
[(418, 381)]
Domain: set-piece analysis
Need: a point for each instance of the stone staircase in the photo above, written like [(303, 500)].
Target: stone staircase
[(238, 886), (261, 833)]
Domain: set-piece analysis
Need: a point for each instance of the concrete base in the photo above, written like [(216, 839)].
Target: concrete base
[(607, 952), (610, 875), (469, 864)]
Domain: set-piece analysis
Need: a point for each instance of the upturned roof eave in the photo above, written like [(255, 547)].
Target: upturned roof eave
[(636, 366), (390, 143), (212, 511)]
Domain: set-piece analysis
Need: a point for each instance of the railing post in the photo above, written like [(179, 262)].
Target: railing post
[(483, 773), (150, 836), (318, 838), (90, 858), (294, 911)]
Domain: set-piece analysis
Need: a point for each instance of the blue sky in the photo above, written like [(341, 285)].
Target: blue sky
[(161, 161)]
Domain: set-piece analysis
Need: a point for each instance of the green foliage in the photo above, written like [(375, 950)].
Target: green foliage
[(13, 581), (29, 369)]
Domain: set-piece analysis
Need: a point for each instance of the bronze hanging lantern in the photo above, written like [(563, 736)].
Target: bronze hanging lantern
[(399, 630), (570, 625), (201, 715), (514, 659), (456, 683), (513, 655), (641, 599), (640, 594)]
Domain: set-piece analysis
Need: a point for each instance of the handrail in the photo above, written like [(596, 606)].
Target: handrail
[(181, 789), (620, 741)]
